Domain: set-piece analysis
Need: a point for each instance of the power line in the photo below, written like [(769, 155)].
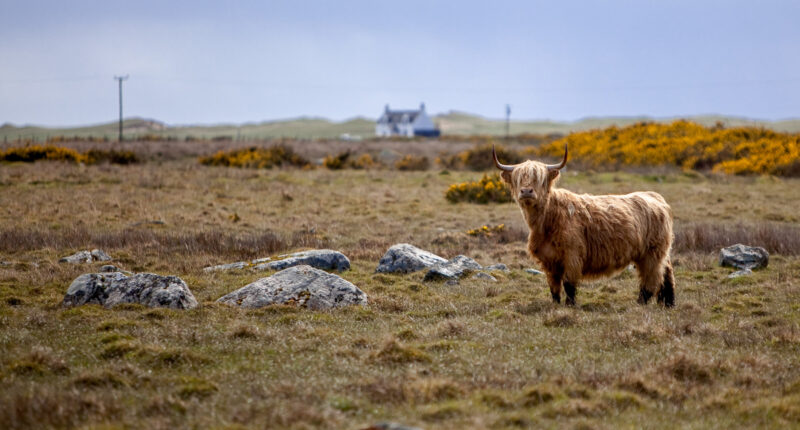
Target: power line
[(120, 79)]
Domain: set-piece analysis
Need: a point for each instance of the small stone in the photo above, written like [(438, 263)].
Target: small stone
[(324, 259), (739, 273), (459, 266), (451, 283), (108, 268), (484, 277), (534, 271), (77, 258), (302, 285), (406, 258), (390, 426), (229, 266), (499, 266), (99, 255), (744, 257)]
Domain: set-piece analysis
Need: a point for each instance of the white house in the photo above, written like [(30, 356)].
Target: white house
[(407, 123)]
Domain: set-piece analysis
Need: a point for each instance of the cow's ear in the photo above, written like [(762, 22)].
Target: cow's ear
[(551, 176), (506, 176)]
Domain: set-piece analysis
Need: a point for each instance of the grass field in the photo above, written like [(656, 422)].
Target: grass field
[(452, 123), (475, 355)]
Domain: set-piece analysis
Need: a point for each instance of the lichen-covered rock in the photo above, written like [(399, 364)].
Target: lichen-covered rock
[(740, 273), (303, 286), (99, 255), (406, 258), (325, 259), (499, 266), (744, 257), (109, 289), (229, 266), (77, 258), (459, 266), (533, 271), (86, 257)]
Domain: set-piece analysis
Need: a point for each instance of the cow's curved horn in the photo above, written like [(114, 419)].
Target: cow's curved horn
[(500, 165), (563, 162)]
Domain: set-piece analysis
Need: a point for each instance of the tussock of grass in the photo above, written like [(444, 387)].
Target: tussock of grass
[(196, 387), (105, 378), (393, 352)]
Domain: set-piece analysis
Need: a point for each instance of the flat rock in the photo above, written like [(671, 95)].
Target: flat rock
[(406, 258), (109, 289), (457, 267), (740, 273), (499, 266), (390, 426), (77, 258), (86, 257), (325, 259), (484, 277), (302, 285), (534, 271), (230, 266)]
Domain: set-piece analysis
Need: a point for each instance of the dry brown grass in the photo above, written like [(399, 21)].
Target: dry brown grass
[(473, 355)]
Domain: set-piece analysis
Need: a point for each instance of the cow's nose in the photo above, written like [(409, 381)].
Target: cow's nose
[(526, 192)]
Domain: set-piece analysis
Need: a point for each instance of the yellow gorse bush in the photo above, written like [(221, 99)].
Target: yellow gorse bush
[(740, 150), (490, 188), (486, 230), (258, 158), (30, 154)]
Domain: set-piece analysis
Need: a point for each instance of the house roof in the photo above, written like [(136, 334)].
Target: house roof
[(396, 116)]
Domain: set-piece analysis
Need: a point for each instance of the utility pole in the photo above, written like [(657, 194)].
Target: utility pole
[(508, 120), (120, 79)]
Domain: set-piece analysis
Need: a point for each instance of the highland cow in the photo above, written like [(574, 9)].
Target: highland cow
[(577, 237)]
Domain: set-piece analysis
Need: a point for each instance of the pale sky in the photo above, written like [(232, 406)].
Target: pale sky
[(202, 62)]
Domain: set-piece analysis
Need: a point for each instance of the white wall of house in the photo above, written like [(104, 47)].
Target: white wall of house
[(404, 127)]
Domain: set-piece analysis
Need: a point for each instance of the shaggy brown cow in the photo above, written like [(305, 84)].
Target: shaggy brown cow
[(583, 236)]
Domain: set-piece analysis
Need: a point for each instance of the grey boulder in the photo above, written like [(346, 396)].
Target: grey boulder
[(109, 289), (325, 259), (407, 258), (744, 257), (86, 257), (459, 266), (303, 286)]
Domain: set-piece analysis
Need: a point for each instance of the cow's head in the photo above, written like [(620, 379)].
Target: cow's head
[(530, 181)]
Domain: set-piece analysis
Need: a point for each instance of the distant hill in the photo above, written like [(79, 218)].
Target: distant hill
[(452, 123)]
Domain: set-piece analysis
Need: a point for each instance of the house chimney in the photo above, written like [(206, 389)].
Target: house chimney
[(422, 107), (387, 108)]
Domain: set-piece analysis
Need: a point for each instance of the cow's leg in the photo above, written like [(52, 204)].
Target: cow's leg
[(651, 276), (666, 295), (569, 288), (554, 280), (572, 275)]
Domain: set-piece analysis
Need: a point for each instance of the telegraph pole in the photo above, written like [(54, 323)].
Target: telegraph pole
[(508, 120), (120, 79)]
